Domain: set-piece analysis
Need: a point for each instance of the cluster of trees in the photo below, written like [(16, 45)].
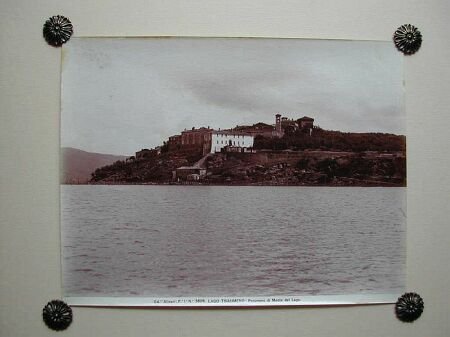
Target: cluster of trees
[(107, 170), (358, 167), (332, 140), (147, 168)]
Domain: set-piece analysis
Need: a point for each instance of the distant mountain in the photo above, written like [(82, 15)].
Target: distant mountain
[(77, 165)]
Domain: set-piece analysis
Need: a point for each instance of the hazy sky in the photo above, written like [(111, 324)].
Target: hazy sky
[(120, 95)]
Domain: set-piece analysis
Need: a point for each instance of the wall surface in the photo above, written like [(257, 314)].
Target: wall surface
[(30, 272)]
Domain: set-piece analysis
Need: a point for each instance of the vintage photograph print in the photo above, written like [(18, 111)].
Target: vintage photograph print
[(232, 172)]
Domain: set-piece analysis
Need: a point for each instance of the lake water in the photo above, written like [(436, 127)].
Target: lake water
[(171, 241)]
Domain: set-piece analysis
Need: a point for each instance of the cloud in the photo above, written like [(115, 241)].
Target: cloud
[(120, 95)]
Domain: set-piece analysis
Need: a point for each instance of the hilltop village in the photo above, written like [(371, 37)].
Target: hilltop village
[(288, 152)]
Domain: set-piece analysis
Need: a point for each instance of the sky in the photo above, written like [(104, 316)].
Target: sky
[(120, 95)]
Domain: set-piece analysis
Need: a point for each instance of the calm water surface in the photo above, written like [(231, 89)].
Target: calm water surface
[(159, 241)]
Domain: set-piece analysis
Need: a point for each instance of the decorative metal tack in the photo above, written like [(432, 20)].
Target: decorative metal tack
[(409, 307), (407, 39), (57, 315), (57, 30)]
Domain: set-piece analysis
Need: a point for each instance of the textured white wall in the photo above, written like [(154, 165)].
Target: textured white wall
[(29, 145), (219, 141)]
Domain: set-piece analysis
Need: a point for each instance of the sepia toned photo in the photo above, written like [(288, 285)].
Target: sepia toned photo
[(232, 172)]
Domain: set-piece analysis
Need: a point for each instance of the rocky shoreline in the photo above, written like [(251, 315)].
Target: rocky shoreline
[(265, 168)]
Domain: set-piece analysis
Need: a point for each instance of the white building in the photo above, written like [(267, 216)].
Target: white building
[(220, 139)]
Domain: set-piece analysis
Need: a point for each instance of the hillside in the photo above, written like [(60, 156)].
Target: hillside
[(317, 157), (153, 169), (77, 165), (332, 141), (267, 167), (308, 168)]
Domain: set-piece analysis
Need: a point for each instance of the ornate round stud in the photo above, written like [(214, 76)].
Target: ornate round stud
[(409, 307), (57, 315), (57, 30), (407, 39)]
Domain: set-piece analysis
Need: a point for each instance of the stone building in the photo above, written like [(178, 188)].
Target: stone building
[(174, 142), (213, 141), (197, 139), (229, 138), (306, 122), (190, 173), (240, 139), (146, 153)]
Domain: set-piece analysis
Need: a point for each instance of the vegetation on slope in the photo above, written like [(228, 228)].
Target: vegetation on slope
[(321, 157), (332, 140)]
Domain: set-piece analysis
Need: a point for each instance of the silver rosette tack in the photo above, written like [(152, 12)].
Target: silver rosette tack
[(57, 30), (57, 315), (409, 307), (407, 39)]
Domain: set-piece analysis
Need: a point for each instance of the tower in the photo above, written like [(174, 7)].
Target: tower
[(278, 123)]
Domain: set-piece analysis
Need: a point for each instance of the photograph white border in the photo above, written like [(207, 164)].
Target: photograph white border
[(242, 302)]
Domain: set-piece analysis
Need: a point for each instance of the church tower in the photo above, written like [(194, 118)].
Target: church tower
[(278, 123)]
